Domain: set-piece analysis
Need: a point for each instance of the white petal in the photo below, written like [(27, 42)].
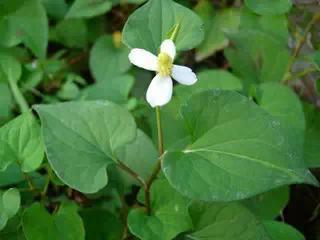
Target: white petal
[(183, 75), (143, 59), (159, 92), (168, 47)]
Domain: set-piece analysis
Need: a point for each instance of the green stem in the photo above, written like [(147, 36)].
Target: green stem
[(132, 173), (301, 74), (19, 98), (301, 41), (157, 168)]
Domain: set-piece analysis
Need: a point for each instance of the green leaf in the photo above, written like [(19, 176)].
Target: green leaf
[(140, 155), (56, 8), (279, 230), (21, 143), (257, 57), (148, 26), (101, 224), (316, 59), (269, 7), (232, 136), (81, 139), (210, 79), (101, 53), (312, 137), (66, 224), (9, 205), (11, 176), (115, 89), (89, 8), (274, 26), (282, 103), (13, 230), (20, 25), (269, 205), (218, 221), (6, 102), (226, 20), (169, 215), (69, 91), (10, 68), (72, 33)]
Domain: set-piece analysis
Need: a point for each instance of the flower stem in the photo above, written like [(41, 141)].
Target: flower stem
[(157, 168)]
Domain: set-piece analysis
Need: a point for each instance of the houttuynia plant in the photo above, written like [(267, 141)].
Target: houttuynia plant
[(90, 89)]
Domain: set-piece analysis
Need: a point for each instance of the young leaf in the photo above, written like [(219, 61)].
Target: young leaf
[(279, 230), (9, 205), (21, 143), (101, 53), (66, 224), (19, 26), (148, 26), (231, 136), (218, 221), (169, 215), (88, 8), (81, 139), (269, 7)]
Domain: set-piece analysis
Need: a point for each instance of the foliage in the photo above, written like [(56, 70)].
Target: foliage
[(78, 140)]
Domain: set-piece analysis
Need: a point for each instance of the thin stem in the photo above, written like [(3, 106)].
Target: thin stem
[(157, 168), (132, 173), (301, 41), (30, 182), (19, 98), (159, 127), (301, 74)]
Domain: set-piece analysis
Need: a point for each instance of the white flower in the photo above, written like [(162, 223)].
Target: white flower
[(159, 92)]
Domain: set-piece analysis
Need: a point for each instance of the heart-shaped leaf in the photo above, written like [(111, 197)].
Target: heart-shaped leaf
[(66, 224), (148, 26), (81, 139), (9, 205), (21, 143), (232, 136), (20, 25)]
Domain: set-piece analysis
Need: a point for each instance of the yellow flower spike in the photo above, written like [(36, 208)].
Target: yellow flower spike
[(165, 64)]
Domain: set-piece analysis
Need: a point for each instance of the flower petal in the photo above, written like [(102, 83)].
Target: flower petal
[(143, 59), (159, 92), (184, 75), (168, 47)]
